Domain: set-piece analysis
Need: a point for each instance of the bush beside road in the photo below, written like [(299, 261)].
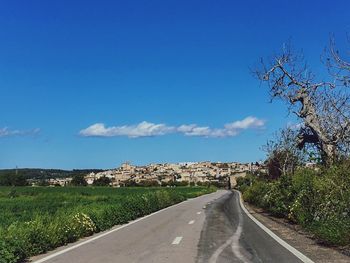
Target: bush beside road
[(319, 201)]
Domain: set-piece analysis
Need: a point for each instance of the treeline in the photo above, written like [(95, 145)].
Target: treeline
[(20, 177), (150, 183), (12, 179), (38, 173), (79, 180)]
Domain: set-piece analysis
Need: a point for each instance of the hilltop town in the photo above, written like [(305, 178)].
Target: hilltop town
[(127, 174), (194, 173)]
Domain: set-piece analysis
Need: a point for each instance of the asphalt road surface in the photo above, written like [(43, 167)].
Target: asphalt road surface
[(210, 228)]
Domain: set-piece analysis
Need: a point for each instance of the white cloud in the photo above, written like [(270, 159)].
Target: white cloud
[(247, 123), (143, 129), (229, 130), (6, 132), (147, 129), (194, 130)]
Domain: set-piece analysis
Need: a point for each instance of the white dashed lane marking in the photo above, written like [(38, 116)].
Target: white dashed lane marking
[(191, 222), (177, 241), (198, 213)]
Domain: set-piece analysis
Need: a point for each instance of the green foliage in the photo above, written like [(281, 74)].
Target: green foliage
[(149, 183), (176, 183), (279, 196), (255, 193), (12, 179), (7, 250), (34, 220), (102, 181), (143, 183), (78, 180), (181, 183), (317, 200), (244, 182), (29, 173), (43, 182)]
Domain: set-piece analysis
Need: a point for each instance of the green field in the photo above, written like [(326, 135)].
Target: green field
[(34, 220)]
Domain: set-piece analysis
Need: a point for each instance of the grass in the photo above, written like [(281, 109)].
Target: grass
[(34, 220)]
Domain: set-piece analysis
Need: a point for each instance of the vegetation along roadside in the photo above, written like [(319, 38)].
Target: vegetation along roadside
[(34, 220)]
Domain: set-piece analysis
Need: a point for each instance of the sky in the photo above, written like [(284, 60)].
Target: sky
[(91, 84)]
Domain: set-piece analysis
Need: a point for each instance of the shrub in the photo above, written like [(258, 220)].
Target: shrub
[(8, 251), (102, 181), (78, 180), (256, 192), (317, 200), (148, 183), (279, 196), (244, 182), (304, 205)]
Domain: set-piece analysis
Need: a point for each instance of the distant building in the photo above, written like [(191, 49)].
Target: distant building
[(183, 172)]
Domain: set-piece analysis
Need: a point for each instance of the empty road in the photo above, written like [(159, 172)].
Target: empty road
[(210, 228)]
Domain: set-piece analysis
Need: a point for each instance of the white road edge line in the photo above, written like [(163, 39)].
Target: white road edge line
[(191, 222), (283, 243), (111, 231), (177, 241)]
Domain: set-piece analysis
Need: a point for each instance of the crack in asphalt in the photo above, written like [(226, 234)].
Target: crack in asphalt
[(229, 235), (234, 242)]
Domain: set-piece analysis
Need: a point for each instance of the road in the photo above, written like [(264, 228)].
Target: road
[(210, 228)]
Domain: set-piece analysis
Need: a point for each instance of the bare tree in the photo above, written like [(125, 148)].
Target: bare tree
[(323, 106)]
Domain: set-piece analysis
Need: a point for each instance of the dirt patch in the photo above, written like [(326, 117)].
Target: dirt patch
[(300, 239)]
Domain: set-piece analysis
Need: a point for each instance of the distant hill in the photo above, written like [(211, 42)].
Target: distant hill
[(37, 173)]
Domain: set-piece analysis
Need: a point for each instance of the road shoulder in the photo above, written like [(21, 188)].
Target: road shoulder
[(300, 240)]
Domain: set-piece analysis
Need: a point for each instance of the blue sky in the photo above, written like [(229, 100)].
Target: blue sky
[(158, 79)]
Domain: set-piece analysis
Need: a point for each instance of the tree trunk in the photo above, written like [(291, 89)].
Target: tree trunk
[(311, 119), (330, 153)]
